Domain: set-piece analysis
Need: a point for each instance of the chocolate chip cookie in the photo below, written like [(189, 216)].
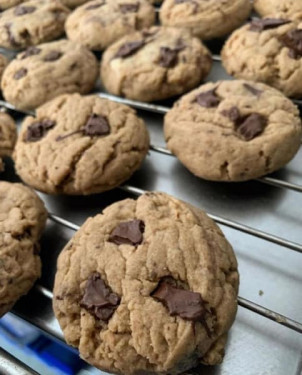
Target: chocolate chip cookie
[(289, 8), (48, 70), (3, 64), (205, 19), (233, 130), (22, 219), (8, 135), (99, 23), (155, 64), (268, 50), (147, 287), (80, 145), (31, 23)]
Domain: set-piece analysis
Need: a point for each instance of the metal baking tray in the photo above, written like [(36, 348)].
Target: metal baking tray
[(261, 218)]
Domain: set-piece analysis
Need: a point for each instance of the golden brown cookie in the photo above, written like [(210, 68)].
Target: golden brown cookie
[(8, 136)]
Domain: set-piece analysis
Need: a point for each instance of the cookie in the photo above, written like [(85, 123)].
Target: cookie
[(205, 19), (3, 64), (233, 130), (98, 23), (171, 302), (32, 23), (80, 145), (289, 8), (267, 50), (8, 135), (154, 64), (74, 3), (48, 70), (22, 220)]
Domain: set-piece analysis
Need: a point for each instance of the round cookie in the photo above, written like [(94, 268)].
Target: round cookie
[(3, 64), (22, 220), (170, 304), (48, 70), (267, 50), (8, 136), (98, 23), (205, 19), (80, 145), (154, 64), (233, 130), (289, 8), (31, 23)]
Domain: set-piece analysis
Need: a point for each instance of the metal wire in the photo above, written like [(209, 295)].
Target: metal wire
[(243, 302)]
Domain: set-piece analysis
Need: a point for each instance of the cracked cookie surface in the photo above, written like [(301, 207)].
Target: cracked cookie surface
[(269, 51), (48, 70), (289, 8), (35, 22), (205, 19), (8, 135), (80, 145), (126, 282), (99, 23), (155, 64), (233, 130), (22, 220)]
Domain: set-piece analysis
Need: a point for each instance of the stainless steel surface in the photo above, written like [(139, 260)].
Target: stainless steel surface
[(10, 365), (261, 221)]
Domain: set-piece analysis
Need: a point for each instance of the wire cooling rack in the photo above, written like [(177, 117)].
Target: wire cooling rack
[(280, 195)]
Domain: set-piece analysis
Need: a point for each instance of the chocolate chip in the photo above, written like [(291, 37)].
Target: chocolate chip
[(38, 130), (129, 8), (252, 126), (184, 303), (10, 35), (129, 48), (169, 56), (20, 73), (293, 40), (52, 56), (208, 99), (128, 232), (233, 114), (99, 299), (252, 89), (95, 6), (96, 125), (20, 10), (267, 23), (31, 51)]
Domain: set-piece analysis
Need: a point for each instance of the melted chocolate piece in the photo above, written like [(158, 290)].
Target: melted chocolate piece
[(262, 24), (252, 126), (95, 6), (31, 51), (129, 48), (20, 10), (180, 302), (169, 56), (52, 56), (128, 232), (252, 89), (208, 99), (233, 114), (129, 8), (99, 299), (293, 40), (38, 130), (96, 125), (20, 73)]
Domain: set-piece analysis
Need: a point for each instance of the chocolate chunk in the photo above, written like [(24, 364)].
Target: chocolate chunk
[(129, 8), (52, 56), (208, 99), (129, 48), (31, 51), (293, 40), (10, 36), (99, 299), (20, 73), (95, 6), (184, 303), (96, 125), (128, 232), (267, 23), (20, 10), (38, 130), (233, 114), (252, 126), (252, 89), (169, 56)]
